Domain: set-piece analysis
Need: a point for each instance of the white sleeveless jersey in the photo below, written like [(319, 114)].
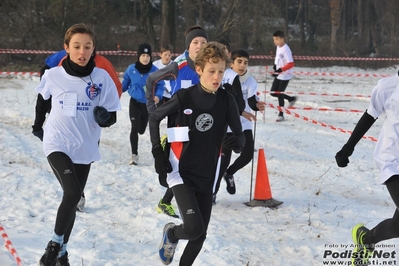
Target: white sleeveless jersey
[(70, 127)]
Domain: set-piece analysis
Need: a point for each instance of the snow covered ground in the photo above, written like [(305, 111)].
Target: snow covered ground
[(120, 225)]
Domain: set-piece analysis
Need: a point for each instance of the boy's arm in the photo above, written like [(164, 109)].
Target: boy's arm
[(235, 125), (160, 113), (126, 80), (237, 92), (286, 67), (167, 73), (42, 107), (364, 124)]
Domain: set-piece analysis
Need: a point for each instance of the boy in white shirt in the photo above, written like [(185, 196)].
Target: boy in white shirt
[(166, 59), (283, 64)]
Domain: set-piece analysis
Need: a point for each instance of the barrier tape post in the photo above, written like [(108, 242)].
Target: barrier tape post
[(9, 246), (264, 96)]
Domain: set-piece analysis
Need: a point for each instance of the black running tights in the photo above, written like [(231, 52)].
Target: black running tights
[(139, 119), (388, 228), (73, 178), (245, 157), (195, 209), (280, 86)]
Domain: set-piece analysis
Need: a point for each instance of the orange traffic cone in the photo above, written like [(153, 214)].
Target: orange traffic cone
[(263, 194)]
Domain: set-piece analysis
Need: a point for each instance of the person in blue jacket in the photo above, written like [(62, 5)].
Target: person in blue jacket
[(134, 82)]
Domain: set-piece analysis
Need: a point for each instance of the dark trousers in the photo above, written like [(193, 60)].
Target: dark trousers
[(167, 198), (195, 209), (388, 228), (245, 157), (139, 119), (73, 178), (280, 86)]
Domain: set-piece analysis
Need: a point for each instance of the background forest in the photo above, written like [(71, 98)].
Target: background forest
[(348, 28)]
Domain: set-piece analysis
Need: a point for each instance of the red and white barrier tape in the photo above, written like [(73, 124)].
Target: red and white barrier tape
[(9, 246), (271, 57), (315, 122), (319, 94), (324, 109), (295, 73), (11, 73), (332, 74)]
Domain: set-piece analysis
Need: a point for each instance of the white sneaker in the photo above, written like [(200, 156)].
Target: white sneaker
[(292, 103), (280, 118), (81, 203), (167, 248), (134, 159)]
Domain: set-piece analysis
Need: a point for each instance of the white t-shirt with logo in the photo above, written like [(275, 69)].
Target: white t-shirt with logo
[(283, 57), (70, 127)]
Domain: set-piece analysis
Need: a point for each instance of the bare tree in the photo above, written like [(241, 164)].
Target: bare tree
[(336, 9), (168, 30), (146, 21)]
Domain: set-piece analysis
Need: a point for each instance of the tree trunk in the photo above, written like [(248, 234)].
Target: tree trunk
[(189, 13), (336, 8), (147, 22), (168, 31)]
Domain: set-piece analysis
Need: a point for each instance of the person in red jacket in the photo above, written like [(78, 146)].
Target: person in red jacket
[(283, 64)]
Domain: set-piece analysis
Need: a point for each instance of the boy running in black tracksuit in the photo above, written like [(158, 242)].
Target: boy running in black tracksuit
[(204, 112)]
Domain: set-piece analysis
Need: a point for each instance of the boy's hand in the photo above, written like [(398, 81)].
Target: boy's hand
[(248, 116), (261, 106), (342, 157)]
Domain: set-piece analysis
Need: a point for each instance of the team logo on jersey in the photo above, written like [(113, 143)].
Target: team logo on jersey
[(188, 111), (93, 90), (204, 122)]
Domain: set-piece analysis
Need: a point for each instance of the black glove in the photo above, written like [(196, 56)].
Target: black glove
[(162, 163), (278, 70), (232, 143), (274, 67), (101, 115), (342, 157), (38, 133), (162, 180)]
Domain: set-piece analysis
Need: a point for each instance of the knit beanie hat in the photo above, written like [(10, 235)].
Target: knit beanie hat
[(144, 48), (193, 34)]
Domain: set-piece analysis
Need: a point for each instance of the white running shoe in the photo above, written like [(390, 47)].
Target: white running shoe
[(292, 103), (134, 159), (81, 203), (280, 118), (167, 248)]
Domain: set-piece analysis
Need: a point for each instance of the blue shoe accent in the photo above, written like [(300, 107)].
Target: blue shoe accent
[(167, 248)]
